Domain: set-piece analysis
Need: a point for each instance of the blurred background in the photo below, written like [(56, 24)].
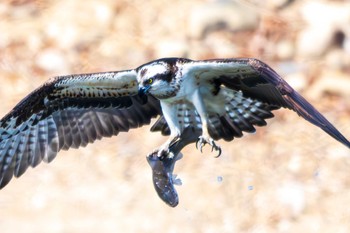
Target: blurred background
[(288, 177)]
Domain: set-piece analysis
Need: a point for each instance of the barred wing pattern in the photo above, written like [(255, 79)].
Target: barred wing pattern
[(69, 112), (261, 84), (72, 111), (241, 115)]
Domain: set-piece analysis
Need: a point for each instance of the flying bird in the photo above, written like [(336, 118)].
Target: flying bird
[(219, 98)]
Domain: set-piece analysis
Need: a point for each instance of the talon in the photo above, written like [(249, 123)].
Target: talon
[(218, 149), (197, 143), (201, 143), (164, 153)]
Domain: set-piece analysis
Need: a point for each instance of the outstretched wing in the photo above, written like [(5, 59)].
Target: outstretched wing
[(69, 112), (258, 89)]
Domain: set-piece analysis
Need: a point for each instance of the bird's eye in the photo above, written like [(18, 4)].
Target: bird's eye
[(150, 81)]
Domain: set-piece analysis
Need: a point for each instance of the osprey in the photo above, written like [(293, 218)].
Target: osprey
[(217, 99)]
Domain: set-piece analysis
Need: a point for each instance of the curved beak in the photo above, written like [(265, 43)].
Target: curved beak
[(143, 90)]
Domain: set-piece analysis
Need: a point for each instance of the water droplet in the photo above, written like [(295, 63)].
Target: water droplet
[(219, 179)]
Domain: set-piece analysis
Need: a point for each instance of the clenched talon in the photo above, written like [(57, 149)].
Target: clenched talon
[(165, 153), (202, 141), (217, 148)]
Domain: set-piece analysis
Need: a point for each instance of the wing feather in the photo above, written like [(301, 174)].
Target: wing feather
[(70, 112), (259, 82), (229, 124), (296, 102)]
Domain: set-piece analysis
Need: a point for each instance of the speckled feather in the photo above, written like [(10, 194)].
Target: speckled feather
[(72, 111)]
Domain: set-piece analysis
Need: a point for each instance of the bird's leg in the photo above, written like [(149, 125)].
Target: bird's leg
[(205, 138), (170, 115)]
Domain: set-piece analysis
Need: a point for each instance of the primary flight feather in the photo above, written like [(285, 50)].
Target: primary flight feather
[(219, 98)]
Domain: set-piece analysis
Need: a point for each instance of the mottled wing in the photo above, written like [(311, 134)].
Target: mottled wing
[(260, 87), (187, 116), (69, 112), (240, 114)]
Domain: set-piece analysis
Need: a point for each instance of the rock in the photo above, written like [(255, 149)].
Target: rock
[(338, 59), (292, 196), (285, 49), (52, 60), (270, 4), (324, 20), (346, 44), (331, 82), (314, 41), (277, 4), (221, 15), (75, 27), (220, 46), (297, 80), (171, 48)]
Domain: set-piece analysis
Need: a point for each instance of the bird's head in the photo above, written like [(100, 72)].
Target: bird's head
[(158, 78)]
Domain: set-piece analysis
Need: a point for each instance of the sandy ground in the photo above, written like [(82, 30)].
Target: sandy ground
[(288, 177)]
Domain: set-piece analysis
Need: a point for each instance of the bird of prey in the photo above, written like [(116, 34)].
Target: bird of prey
[(217, 99)]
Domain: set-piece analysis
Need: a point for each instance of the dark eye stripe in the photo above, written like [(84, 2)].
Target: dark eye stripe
[(166, 77)]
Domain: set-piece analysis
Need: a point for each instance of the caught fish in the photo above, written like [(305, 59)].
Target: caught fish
[(163, 177), (163, 167)]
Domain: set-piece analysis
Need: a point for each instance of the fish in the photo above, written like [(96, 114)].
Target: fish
[(164, 180)]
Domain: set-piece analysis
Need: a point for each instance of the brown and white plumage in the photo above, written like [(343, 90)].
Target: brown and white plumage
[(69, 112), (219, 98)]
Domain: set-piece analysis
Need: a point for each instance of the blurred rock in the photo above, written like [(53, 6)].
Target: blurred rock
[(292, 195), (52, 60), (333, 82), (337, 59), (227, 15), (346, 44), (171, 48), (68, 28), (323, 21), (285, 49), (198, 51), (277, 4), (271, 4), (314, 41), (220, 45), (297, 80)]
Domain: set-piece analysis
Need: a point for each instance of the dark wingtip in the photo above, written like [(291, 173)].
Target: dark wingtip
[(307, 111), (5, 179), (296, 102)]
